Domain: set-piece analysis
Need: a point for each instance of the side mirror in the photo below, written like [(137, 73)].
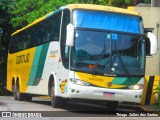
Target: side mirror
[(153, 43), (70, 35)]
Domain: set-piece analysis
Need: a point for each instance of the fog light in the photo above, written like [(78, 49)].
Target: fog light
[(72, 90)]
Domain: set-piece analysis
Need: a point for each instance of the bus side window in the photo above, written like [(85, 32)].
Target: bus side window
[(47, 31), (31, 41), (24, 40), (50, 36), (64, 48), (14, 44), (11, 45), (38, 41), (42, 34), (28, 42), (54, 24), (20, 42), (35, 38)]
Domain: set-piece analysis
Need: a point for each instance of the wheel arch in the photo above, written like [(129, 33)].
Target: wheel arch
[(13, 83), (52, 81), (18, 81)]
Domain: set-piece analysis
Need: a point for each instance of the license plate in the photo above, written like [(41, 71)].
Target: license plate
[(108, 94)]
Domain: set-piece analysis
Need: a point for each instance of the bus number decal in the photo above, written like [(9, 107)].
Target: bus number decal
[(22, 58)]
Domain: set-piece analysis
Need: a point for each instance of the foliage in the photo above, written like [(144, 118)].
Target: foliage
[(6, 6), (26, 12), (117, 3), (158, 92)]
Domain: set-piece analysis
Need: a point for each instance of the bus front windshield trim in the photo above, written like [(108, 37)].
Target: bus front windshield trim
[(108, 53)]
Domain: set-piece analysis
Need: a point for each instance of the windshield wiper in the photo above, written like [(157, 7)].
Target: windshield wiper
[(120, 59), (100, 57)]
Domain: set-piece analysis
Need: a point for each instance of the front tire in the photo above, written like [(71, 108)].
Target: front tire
[(112, 105), (56, 101), (28, 97)]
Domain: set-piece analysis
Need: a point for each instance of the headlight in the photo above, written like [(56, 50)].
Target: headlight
[(136, 87), (79, 82)]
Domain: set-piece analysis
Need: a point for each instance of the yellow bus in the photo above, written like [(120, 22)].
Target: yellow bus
[(80, 52)]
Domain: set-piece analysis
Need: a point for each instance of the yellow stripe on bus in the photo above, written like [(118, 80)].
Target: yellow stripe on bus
[(35, 22), (97, 80), (102, 8), (18, 61)]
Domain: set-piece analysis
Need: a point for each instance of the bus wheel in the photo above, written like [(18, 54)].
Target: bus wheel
[(14, 92), (27, 97), (56, 102), (112, 105), (19, 94)]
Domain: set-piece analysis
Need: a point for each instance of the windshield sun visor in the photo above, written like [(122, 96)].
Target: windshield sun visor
[(108, 21)]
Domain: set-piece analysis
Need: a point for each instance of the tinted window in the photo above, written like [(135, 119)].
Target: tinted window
[(40, 33), (64, 48), (54, 28)]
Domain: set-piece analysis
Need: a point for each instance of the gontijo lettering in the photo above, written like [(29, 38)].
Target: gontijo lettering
[(22, 58)]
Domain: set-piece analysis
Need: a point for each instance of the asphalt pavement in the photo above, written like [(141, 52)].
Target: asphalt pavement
[(135, 112)]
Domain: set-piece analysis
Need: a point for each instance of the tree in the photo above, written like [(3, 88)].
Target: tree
[(117, 3), (6, 6), (28, 10)]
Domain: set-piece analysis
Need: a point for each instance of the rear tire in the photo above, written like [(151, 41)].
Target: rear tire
[(19, 95), (14, 92)]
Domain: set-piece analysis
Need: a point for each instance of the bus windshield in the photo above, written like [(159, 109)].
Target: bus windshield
[(108, 53), (108, 43)]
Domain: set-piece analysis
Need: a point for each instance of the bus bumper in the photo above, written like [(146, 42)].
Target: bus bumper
[(95, 93)]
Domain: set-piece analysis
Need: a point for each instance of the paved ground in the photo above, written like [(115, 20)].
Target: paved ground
[(81, 111)]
